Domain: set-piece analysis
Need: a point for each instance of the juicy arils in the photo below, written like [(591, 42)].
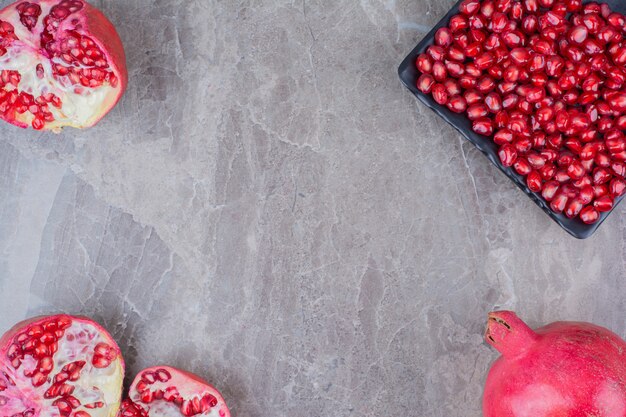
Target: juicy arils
[(59, 366), (168, 392), (62, 64), (545, 80), (65, 366)]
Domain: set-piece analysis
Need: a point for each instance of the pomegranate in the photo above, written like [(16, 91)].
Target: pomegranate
[(168, 392), (59, 366), (62, 64), (563, 369)]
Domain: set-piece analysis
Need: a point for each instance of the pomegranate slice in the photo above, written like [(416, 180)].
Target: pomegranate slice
[(163, 391), (62, 64), (562, 369), (59, 366)]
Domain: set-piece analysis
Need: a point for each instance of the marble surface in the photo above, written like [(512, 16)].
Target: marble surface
[(270, 208)]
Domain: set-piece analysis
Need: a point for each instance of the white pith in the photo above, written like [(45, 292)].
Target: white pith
[(94, 385), (187, 388), (24, 55)]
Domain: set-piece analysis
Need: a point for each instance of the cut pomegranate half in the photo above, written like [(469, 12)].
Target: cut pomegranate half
[(59, 366), (62, 63), (163, 391)]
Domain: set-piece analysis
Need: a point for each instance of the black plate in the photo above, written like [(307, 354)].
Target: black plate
[(409, 74)]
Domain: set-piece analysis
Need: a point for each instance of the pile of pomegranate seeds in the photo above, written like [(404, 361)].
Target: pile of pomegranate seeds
[(546, 79)]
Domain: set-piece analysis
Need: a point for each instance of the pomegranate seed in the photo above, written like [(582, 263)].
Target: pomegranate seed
[(457, 104), (458, 23), (522, 166), (573, 208), (483, 126), (589, 215), (425, 83), (440, 95), (533, 180), (508, 155), (617, 187), (604, 203), (424, 63), (443, 37), (469, 7), (550, 189), (558, 203)]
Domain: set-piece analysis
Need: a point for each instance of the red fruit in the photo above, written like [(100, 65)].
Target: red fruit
[(503, 136), (469, 7), (472, 96), (485, 60), (530, 24), (618, 102), (533, 180), (63, 64), (617, 187), (522, 166), (508, 155), (573, 208), (52, 364), (455, 69), (550, 189), (483, 126), (476, 111), (437, 53), (452, 87), (440, 73), (163, 391), (440, 95), (493, 102), (424, 63), (560, 369), (604, 203), (589, 215), (458, 23), (443, 37), (457, 104), (575, 170), (425, 83), (520, 56), (558, 203)]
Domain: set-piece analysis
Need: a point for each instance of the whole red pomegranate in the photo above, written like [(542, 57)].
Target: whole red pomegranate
[(565, 369), (59, 366), (66, 366), (62, 63)]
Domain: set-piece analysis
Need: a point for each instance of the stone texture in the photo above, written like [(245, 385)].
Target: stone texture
[(269, 208)]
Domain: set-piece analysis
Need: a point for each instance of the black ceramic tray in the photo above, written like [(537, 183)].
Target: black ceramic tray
[(409, 74)]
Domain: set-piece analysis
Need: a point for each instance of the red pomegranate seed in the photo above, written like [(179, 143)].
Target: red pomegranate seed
[(589, 215), (558, 203), (443, 37), (522, 166), (457, 104), (533, 181), (440, 95), (424, 63), (617, 187), (573, 208), (425, 83), (604, 203), (508, 155), (483, 126), (469, 7)]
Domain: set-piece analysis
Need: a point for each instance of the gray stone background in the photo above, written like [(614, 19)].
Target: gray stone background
[(270, 208)]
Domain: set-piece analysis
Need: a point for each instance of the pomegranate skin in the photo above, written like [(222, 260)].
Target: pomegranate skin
[(565, 369)]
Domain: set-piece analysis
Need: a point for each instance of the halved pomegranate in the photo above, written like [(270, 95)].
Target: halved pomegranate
[(163, 391), (62, 63), (59, 366)]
